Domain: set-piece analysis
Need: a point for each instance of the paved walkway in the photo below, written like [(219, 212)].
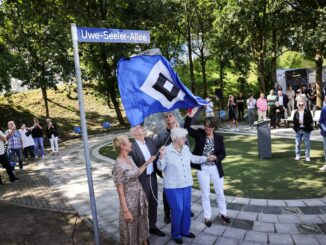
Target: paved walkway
[(59, 183)]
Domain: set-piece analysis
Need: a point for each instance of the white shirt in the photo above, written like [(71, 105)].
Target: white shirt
[(147, 155), (280, 100), (2, 145), (27, 140)]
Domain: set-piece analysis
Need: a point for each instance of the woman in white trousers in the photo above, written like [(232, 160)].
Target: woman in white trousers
[(52, 134)]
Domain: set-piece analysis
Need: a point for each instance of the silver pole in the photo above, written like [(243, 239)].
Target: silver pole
[(84, 133)]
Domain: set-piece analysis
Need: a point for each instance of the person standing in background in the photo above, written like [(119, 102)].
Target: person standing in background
[(271, 99), (290, 94), (240, 105), (232, 108), (261, 107), (209, 108), (28, 142), (322, 125), (52, 134), (251, 105), (15, 143), (302, 121), (37, 134)]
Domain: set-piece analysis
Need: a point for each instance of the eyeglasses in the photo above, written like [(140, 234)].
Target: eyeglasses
[(301, 104)]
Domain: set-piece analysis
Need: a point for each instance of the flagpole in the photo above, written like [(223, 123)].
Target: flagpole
[(84, 133)]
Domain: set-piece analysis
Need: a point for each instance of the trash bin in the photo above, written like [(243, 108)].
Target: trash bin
[(264, 139)]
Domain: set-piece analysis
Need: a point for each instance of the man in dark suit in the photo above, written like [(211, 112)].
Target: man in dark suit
[(282, 99), (142, 149)]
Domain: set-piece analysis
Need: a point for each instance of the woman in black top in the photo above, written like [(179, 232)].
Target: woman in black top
[(52, 134), (207, 142)]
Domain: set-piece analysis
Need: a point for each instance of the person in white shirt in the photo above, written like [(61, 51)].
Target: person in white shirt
[(143, 148), (290, 94), (28, 141), (209, 108), (251, 105)]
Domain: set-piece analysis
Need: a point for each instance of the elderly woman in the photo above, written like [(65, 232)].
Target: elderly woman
[(302, 121), (133, 205), (209, 143), (52, 134), (175, 161)]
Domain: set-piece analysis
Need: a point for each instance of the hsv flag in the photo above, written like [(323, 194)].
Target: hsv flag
[(148, 85)]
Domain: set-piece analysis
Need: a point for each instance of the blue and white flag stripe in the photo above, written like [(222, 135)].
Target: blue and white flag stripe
[(148, 85)]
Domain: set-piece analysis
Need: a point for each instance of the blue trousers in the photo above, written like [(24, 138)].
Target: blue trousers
[(179, 200), (39, 146)]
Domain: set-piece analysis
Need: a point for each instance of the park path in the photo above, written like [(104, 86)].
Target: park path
[(59, 183)]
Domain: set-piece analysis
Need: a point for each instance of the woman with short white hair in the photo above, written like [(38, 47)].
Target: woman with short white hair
[(175, 162)]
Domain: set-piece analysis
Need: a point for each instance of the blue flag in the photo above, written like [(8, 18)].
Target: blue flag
[(148, 84)]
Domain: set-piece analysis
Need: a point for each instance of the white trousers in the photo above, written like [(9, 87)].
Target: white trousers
[(261, 115), (54, 143), (205, 176)]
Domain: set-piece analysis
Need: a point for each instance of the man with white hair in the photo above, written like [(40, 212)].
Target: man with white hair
[(142, 149), (15, 143)]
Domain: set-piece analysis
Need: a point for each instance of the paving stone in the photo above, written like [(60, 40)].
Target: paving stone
[(290, 210), (313, 202), (277, 203), (253, 208), (248, 243), (215, 230), (309, 219), (263, 227), (271, 210), (197, 227), (229, 199), (204, 238), (226, 241), (311, 210), (255, 236), (322, 217), (268, 218), (323, 209), (247, 216), (321, 239), (286, 228), (242, 224), (234, 233), (289, 219), (280, 239), (241, 200), (304, 240), (322, 227), (235, 206), (323, 200), (233, 214), (295, 203), (260, 202)]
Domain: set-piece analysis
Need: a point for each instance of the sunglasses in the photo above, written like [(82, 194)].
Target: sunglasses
[(301, 104)]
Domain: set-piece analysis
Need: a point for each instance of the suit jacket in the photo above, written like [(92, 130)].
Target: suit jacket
[(285, 100), (138, 157), (200, 139)]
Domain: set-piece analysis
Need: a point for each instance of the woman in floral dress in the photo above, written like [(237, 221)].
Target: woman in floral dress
[(133, 205)]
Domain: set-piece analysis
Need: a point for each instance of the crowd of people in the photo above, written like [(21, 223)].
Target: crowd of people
[(26, 142), (167, 155)]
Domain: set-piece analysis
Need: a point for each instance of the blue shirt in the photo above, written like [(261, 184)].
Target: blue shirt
[(176, 167)]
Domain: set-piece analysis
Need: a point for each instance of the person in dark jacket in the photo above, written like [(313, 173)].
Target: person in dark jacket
[(52, 134), (278, 114), (207, 142), (322, 125), (37, 134), (302, 121)]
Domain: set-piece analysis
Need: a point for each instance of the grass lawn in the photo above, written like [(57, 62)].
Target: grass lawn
[(278, 178)]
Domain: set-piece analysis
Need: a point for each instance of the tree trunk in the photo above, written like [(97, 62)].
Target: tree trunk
[(222, 80), (45, 98), (273, 61), (319, 77), (203, 69), (191, 65), (110, 84)]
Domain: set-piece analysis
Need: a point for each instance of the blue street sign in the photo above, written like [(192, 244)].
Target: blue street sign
[(104, 35)]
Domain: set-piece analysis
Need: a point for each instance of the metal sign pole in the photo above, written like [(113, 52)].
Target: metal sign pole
[(84, 133)]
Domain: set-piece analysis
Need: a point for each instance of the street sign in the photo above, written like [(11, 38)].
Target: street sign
[(104, 35)]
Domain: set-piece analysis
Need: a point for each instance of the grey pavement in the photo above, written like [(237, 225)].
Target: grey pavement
[(59, 183)]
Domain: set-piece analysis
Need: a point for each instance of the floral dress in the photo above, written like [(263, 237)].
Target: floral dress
[(137, 231)]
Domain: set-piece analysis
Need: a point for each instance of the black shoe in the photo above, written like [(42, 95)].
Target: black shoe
[(190, 235), (178, 240), (156, 231), (167, 219), (226, 219), (192, 214), (208, 222)]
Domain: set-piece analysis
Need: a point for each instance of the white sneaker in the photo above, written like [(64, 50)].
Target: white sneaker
[(237, 129), (323, 168), (297, 158), (307, 159)]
